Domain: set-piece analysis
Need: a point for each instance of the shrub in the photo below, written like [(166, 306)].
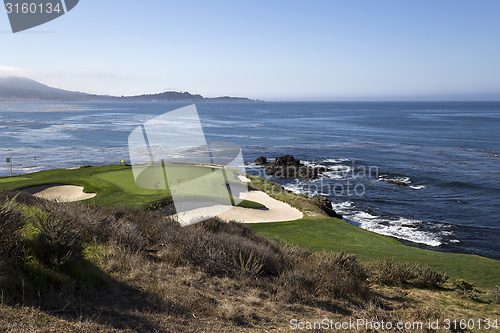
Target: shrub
[(248, 265), (58, 242), (11, 244), (216, 248), (391, 272), (95, 224), (58, 233), (429, 278), (309, 275), (466, 289), (463, 285), (494, 295)]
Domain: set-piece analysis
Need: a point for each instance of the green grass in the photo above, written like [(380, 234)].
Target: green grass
[(114, 185), (330, 234)]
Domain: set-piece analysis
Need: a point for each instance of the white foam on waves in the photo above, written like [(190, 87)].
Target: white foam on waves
[(335, 160), (386, 178), (402, 228), (342, 206), (401, 179), (313, 164), (333, 175), (340, 168), (301, 187), (335, 171)]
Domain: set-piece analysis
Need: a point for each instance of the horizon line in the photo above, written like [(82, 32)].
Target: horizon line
[(360, 99)]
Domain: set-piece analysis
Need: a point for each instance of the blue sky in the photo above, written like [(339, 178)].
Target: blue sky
[(273, 50)]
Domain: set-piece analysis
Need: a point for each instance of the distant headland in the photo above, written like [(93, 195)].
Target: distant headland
[(24, 89)]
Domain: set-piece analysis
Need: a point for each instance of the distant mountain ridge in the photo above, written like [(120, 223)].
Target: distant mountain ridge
[(24, 89)]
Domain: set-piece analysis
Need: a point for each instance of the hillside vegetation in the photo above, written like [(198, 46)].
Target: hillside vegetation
[(114, 264), (78, 267)]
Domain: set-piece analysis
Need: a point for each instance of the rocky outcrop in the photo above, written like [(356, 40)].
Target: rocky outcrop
[(261, 161), (288, 166), (287, 160), (326, 205), (397, 182)]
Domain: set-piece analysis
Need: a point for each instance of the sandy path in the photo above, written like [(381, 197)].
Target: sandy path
[(276, 211), (60, 193)]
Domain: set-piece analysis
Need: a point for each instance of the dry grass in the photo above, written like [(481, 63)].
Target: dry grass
[(73, 267)]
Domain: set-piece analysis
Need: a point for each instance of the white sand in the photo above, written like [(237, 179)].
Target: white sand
[(60, 193), (244, 179), (276, 211)]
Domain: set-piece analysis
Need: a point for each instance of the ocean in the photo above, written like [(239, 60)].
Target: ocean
[(427, 174)]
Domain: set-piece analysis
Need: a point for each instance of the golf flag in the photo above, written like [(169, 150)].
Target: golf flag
[(7, 160), (123, 161)]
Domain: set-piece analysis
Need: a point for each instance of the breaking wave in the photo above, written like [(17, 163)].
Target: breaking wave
[(402, 228)]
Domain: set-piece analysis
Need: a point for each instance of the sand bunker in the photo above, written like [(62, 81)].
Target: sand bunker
[(244, 179), (276, 211), (60, 193)]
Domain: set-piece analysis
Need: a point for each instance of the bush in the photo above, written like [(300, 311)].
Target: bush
[(429, 278), (57, 235), (463, 285), (310, 275), (229, 249), (224, 249), (494, 295), (11, 244), (58, 242), (391, 272), (466, 289)]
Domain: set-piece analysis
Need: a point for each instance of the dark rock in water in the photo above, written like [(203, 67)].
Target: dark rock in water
[(326, 205), (288, 166), (292, 172), (396, 182), (261, 161), (287, 160), (408, 226), (321, 169)]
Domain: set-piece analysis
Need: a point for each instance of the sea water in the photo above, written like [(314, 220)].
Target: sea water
[(427, 174)]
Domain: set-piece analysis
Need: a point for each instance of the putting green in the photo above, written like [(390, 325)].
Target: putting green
[(124, 180), (115, 184)]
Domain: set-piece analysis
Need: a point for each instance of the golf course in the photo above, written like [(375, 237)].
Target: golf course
[(114, 186)]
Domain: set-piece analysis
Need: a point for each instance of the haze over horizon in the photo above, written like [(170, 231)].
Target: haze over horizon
[(328, 50)]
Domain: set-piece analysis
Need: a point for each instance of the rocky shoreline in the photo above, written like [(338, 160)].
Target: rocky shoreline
[(287, 166)]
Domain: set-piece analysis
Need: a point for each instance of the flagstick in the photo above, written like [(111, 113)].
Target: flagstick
[(10, 160)]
